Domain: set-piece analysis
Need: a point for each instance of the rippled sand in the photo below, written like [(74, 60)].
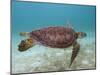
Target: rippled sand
[(44, 59)]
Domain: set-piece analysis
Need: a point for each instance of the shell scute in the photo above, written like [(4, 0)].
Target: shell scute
[(59, 37)]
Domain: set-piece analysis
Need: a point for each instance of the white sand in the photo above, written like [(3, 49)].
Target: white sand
[(43, 59)]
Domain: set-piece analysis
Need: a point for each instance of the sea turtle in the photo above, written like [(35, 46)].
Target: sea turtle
[(54, 37)]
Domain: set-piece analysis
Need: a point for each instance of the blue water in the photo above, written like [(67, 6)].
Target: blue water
[(28, 16)]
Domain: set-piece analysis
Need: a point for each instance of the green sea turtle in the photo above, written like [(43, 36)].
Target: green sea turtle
[(54, 37)]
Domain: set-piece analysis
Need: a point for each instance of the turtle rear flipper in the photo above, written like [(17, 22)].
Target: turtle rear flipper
[(76, 48)]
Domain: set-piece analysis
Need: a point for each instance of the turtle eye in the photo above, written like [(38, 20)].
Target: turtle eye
[(24, 41), (30, 40)]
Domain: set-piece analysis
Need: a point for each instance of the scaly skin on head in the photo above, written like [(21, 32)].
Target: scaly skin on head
[(26, 44)]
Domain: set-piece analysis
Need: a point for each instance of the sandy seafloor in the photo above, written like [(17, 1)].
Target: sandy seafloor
[(44, 59)]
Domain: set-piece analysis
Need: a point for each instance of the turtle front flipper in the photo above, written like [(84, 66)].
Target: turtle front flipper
[(76, 48), (25, 34)]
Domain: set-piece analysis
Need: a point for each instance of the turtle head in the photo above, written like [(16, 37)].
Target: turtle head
[(25, 44), (81, 34)]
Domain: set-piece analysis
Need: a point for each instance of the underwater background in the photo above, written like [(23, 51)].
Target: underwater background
[(29, 16)]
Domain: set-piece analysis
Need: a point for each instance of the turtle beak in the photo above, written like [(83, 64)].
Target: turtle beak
[(22, 45)]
